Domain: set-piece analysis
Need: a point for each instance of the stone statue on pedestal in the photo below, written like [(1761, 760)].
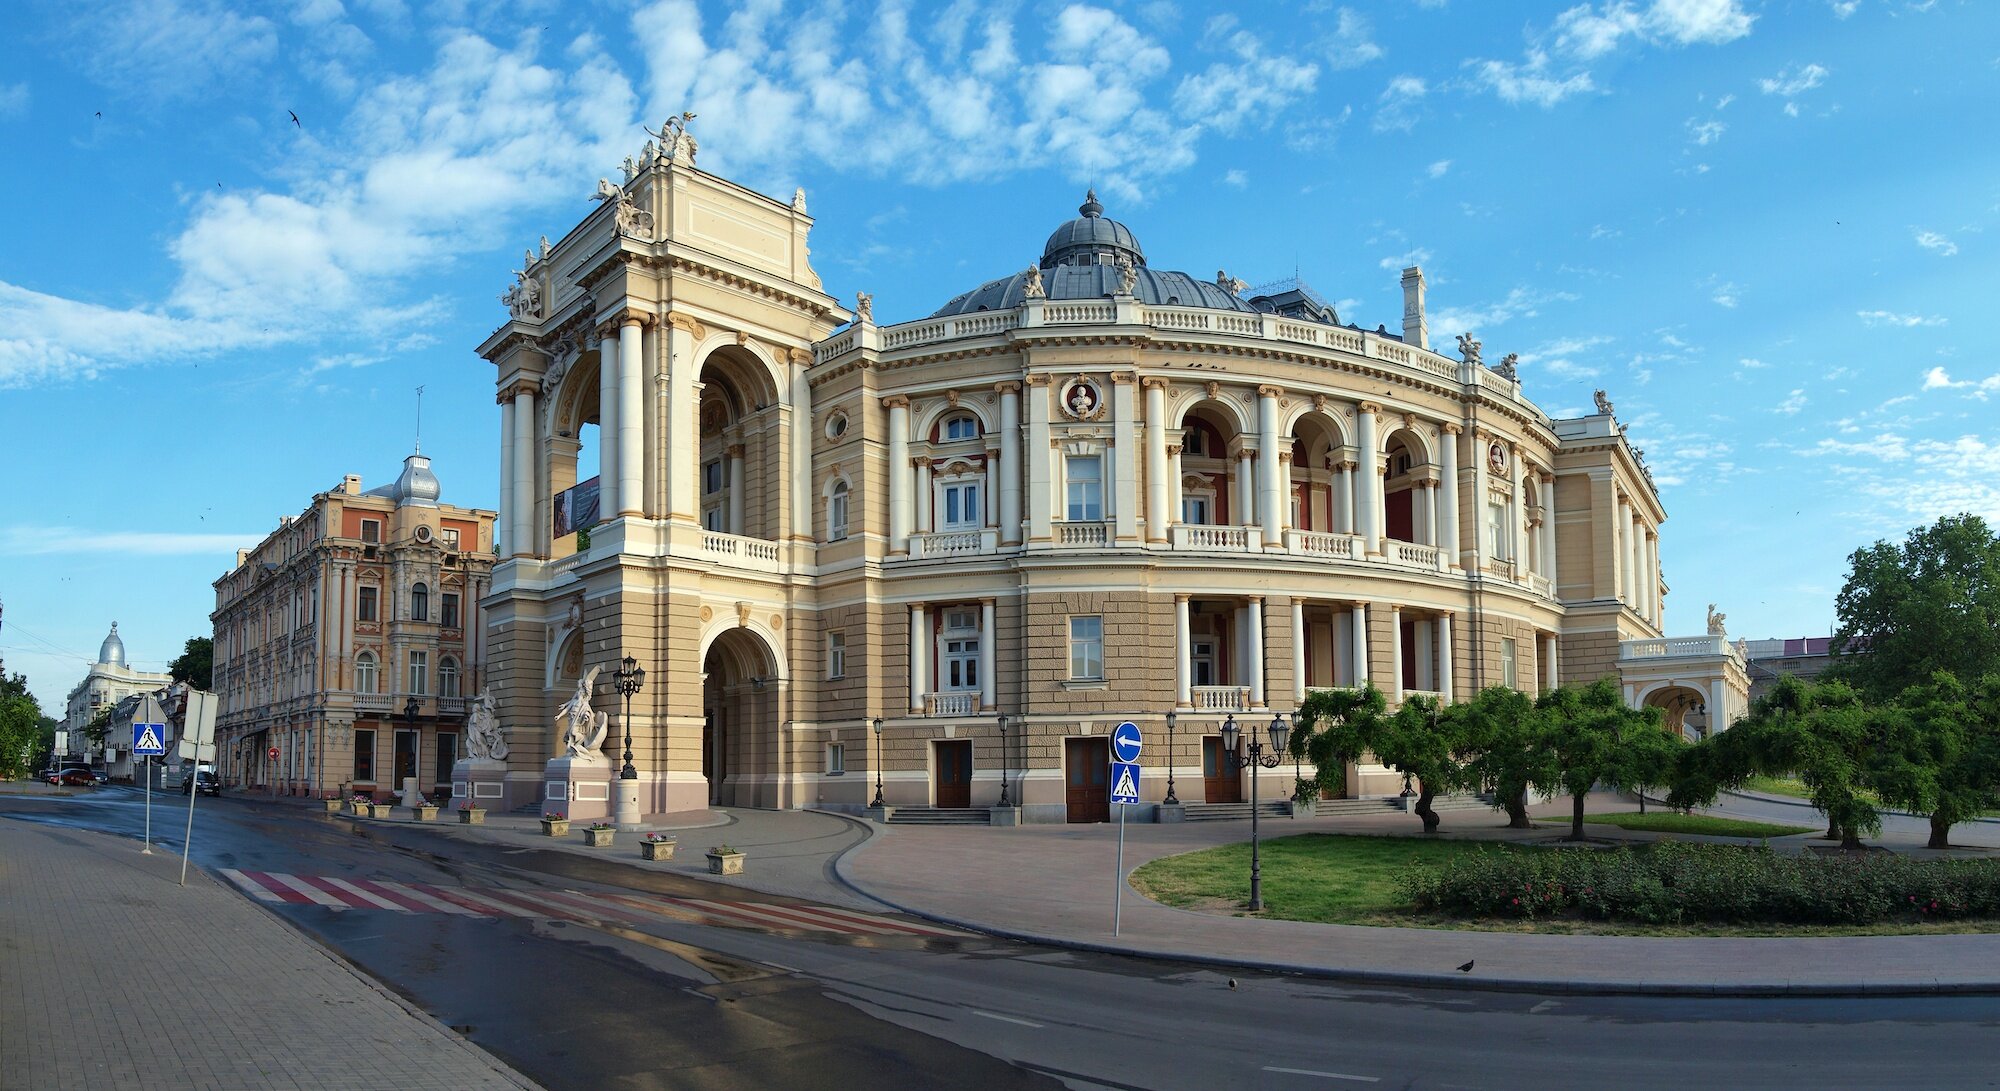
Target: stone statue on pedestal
[(583, 729)]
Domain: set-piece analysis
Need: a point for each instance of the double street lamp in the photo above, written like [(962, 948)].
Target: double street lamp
[(1254, 755), (878, 764), (1006, 762), (629, 679), (1173, 718)]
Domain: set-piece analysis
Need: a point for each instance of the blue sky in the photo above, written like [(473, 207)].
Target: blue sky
[(1764, 227)]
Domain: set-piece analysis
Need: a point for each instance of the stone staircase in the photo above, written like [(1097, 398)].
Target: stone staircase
[(940, 816), (1219, 812)]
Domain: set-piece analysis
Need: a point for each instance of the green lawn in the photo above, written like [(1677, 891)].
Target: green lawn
[(1675, 822), (1779, 786)]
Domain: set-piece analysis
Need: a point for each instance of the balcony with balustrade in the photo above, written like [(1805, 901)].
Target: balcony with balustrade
[(952, 703), (954, 543)]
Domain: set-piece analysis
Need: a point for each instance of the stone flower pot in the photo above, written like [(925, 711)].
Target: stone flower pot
[(555, 827), (382, 810), (472, 816), (597, 838), (357, 808), (656, 850), (426, 813), (335, 806), (725, 863)]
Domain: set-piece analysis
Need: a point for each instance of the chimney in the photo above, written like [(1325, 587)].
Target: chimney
[(1415, 330), (351, 484)]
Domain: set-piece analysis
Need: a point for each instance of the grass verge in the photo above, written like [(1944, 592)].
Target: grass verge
[(1708, 825)]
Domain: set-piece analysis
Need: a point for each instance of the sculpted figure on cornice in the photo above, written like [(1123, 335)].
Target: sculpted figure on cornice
[(1128, 275), (675, 142), (524, 299), (1033, 289), (1510, 367), (1603, 403), (1468, 348)]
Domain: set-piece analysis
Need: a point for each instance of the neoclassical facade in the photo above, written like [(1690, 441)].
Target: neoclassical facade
[(350, 641), (951, 554), (110, 680)]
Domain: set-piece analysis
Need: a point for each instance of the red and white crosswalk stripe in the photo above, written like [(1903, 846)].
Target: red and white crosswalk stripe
[(333, 892)]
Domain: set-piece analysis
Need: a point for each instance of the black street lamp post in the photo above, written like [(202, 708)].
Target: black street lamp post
[(1172, 719), (1006, 762), (878, 764), (1254, 755), (630, 678)]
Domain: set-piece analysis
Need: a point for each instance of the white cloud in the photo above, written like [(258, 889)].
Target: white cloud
[(169, 50), (1438, 169), (1725, 294), (1705, 132), (1790, 83), (1398, 263), (1236, 178), (1891, 318), (1556, 358), (1520, 302), (29, 541), (1530, 82), (1709, 22), (1586, 32), (1939, 379), (1931, 240), (1401, 104), (14, 99), (1793, 403), (1354, 45), (1935, 477), (1843, 8)]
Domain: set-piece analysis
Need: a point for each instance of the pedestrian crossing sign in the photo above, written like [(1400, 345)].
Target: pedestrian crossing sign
[(149, 740), (1124, 782)]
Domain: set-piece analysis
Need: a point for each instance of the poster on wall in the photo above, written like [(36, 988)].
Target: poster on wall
[(576, 507)]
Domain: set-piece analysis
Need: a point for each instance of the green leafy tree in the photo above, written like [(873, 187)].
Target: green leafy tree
[(99, 726), (1417, 741), (1502, 734), (196, 663), (20, 730), (1592, 737), (1928, 604), (1939, 752), (1824, 733)]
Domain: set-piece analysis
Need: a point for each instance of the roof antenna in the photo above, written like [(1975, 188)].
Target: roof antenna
[(419, 448)]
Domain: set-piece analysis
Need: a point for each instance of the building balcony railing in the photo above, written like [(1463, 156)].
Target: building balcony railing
[(953, 703), (741, 551), (1413, 555), (373, 702), (1220, 698), (1674, 647), (1316, 543), (1082, 535), (1435, 695), (954, 543), (1206, 538), (450, 706)]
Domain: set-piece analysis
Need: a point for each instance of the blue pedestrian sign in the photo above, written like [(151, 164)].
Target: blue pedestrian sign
[(1125, 742), (1124, 782), (149, 740)]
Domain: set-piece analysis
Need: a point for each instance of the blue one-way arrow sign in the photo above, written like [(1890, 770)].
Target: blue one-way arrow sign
[(1125, 741), (149, 740)]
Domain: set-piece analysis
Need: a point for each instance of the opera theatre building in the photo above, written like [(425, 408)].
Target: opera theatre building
[(952, 553)]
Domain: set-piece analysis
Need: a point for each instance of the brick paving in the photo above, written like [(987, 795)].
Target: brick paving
[(84, 1006)]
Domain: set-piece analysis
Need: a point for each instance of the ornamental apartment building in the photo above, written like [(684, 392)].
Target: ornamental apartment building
[(961, 548)]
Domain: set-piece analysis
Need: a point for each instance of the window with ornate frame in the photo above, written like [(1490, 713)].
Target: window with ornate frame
[(420, 601), (958, 650), (365, 680), (1083, 482), (836, 512)]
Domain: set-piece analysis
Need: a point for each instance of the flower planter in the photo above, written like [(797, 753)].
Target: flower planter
[(335, 806), (382, 810), (472, 816), (426, 814), (598, 839), (725, 863), (656, 850), (356, 807), (555, 827)]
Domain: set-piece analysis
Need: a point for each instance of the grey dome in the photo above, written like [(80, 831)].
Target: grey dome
[(417, 486), (112, 651), (1091, 239)]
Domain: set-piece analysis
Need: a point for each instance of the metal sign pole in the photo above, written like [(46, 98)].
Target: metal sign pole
[(187, 838), (1118, 877), (146, 707)]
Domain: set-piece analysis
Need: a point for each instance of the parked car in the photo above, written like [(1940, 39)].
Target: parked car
[(77, 778), (100, 776), (204, 782)]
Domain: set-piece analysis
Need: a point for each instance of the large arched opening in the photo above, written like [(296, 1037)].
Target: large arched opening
[(1685, 708), (574, 458), (740, 689), (741, 477), (1213, 480), (1409, 488)]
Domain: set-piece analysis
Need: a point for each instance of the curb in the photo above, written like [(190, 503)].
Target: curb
[(1789, 801)]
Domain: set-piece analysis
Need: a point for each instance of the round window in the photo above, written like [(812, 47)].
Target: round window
[(836, 426)]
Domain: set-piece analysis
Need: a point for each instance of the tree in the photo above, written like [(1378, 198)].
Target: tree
[(1592, 737), (1931, 603), (1939, 752), (1502, 734), (196, 664), (99, 726), (1824, 733), (20, 730), (1417, 741)]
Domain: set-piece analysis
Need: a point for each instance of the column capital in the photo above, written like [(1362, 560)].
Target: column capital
[(633, 316), (1038, 380), (1395, 607), (1444, 615), (1180, 597), (686, 323), (1007, 387), (802, 357), (734, 450), (1451, 429), (1253, 600), (1153, 382), (1284, 457), (1358, 604), (896, 401), (1370, 408), (517, 388), (1173, 450), (1269, 390), (1125, 377), (920, 462)]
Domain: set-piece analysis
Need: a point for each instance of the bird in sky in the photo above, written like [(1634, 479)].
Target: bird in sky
[(100, 115), (295, 118)]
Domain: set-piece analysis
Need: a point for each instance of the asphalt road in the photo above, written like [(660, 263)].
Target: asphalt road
[(631, 1000)]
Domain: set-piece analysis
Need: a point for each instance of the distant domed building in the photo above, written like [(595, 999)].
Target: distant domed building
[(951, 554), (110, 680)]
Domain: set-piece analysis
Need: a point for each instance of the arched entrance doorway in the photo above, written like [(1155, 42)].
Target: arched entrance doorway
[(1686, 710), (740, 711)]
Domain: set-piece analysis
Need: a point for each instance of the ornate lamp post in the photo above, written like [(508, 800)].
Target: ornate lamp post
[(1254, 755), (629, 679), (1173, 718), (1006, 762), (878, 764)]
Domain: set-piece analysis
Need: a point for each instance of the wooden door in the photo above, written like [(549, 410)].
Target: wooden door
[(1086, 775), (1401, 521), (1219, 783), (1408, 637), (954, 774)]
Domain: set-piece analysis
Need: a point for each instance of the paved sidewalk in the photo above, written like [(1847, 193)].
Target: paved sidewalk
[(111, 977)]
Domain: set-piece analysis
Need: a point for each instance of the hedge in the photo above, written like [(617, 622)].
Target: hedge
[(1672, 882)]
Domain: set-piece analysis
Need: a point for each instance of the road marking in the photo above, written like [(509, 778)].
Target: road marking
[(436, 903), (1323, 1075), (248, 887), (1544, 1006), (1006, 1019), (316, 894), (350, 889)]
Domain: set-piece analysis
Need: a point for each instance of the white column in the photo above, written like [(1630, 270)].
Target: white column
[(1268, 501), (921, 466), (736, 488), (1183, 654), (1343, 498), (1037, 459), (1011, 468), (1246, 504), (1551, 670), (1481, 491), (1635, 563), (899, 473), (522, 535), (989, 501), (1444, 655), (1448, 497), (631, 422), (1175, 502), (1423, 514), (988, 635), (800, 487), (1254, 647), (1298, 650), (607, 427), (1519, 523), (1368, 480), (683, 436), (503, 527), (1549, 535), (920, 644), (1395, 652), (1653, 579), (1359, 617), (1121, 486), (1156, 460), (1285, 492), (1619, 522)]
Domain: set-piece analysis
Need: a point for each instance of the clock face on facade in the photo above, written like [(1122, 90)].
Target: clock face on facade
[(1496, 457)]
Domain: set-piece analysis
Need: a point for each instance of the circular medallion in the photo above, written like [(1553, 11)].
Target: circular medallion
[(1496, 457), (1081, 399)]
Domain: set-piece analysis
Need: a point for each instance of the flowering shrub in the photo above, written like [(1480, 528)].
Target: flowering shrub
[(1676, 882), (656, 837), (600, 826), (551, 816)]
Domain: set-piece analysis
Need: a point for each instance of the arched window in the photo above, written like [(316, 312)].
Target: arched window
[(364, 673), (448, 677), (959, 426), (836, 512), (420, 603)]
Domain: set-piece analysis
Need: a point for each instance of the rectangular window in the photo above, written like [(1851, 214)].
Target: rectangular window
[(1508, 671), (836, 655), (836, 759), (420, 672), (961, 663), (836, 514), (371, 530), (364, 606), (711, 477), (1086, 648), (1194, 510), (450, 539), (1085, 475), (961, 506), (450, 617), (1496, 520), (364, 755), (447, 756)]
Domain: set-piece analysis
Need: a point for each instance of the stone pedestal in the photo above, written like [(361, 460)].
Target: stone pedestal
[(1003, 816), (412, 796), (1170, 812), (481, 780), (578, 788), (879, 814)]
